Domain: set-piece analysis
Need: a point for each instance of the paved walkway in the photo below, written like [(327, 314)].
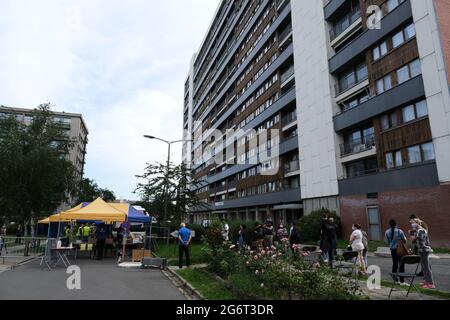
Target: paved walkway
[(99, 280)]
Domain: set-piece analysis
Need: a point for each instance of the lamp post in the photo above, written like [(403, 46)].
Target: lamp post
[(169, 144)]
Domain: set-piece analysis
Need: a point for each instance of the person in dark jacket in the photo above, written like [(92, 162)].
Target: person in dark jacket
[(330, 230), (294, 238), (100, 235)]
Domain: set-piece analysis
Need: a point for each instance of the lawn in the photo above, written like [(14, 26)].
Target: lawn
[(195, 250), (206, 284)]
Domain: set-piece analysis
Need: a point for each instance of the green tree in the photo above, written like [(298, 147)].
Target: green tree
[(89, 191), (180, 185), (35, 173)]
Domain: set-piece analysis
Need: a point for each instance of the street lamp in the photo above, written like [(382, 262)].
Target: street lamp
[(169, 143)]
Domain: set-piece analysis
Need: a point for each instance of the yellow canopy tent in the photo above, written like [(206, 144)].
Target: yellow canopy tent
[(98, 210)]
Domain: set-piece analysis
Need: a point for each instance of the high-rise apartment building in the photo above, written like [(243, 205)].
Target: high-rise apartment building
[(359, 91)]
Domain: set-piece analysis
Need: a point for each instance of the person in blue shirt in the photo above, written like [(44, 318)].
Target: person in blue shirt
[(184, 240), (392, 235)]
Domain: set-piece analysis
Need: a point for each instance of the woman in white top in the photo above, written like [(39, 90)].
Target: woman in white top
[(356, 241)]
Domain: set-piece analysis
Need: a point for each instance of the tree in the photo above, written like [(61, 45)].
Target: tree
[(89, 191), (35, 173), (180, 187)]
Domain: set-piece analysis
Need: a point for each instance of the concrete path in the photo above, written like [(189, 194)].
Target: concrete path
[(100, 280)]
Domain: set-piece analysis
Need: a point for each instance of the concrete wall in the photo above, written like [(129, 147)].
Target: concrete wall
[(430, 204), (435, 78), (443, 12), (317, 145)]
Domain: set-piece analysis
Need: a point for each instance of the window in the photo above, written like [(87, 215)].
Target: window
[(415, 68), (414, 155), (421, 109), (379, 51), (384, 84), (410, 31), (428, 151), (398, 39), (403, 74), (385, 122), (408, 114), (389, 160), (398, 159), (394, 160), (352, 77)]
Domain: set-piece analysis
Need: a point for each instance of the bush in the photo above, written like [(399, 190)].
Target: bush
[(309, 226), (199, 232), (234, 231)]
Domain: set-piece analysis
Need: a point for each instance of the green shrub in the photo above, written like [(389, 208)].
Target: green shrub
[(199, 231), (234, 230), (309, 226)]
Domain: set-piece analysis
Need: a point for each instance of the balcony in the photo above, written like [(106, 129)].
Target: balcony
[(358, 145), (291, 168), (289, 120), (358, 47), (332, 7), (287, 76), (378, 180), (285, 35), (346, 24), (391, 99)]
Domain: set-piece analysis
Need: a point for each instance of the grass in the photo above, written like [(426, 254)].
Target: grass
[(206, 284), (195, 251)]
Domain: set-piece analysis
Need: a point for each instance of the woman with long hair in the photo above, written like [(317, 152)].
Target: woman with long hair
[(356, 241), (392, 235)]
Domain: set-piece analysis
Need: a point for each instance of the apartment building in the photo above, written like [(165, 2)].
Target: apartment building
[(72, 124), (373, 103), (242, 79), (359, 90)]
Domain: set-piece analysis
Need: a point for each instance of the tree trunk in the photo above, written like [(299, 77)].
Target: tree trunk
[(32, 223), (25, 228)]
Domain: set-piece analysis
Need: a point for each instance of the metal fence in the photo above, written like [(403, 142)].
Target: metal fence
[(22, 247)]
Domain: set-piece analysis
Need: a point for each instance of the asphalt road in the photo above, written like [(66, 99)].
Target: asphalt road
[(440, 268), (99, 280)]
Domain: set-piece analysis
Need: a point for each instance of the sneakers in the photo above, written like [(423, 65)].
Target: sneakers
[(404, 284), (428, 286)]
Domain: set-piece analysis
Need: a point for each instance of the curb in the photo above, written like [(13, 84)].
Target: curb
[(185, 286)]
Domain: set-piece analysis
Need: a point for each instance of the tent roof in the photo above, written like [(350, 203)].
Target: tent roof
[(133, 214), (97, 210)]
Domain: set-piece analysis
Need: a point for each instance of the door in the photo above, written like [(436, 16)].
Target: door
[(374, 223)]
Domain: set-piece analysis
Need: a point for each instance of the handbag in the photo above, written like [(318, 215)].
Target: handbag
[(402, 250)]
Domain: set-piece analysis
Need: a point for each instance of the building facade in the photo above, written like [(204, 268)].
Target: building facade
[(359, 90), (72, 124)]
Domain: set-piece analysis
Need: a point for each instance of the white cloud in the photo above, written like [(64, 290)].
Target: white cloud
[(122, 64)]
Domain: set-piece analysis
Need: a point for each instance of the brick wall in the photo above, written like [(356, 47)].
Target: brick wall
[(430, 204), (443, 12)]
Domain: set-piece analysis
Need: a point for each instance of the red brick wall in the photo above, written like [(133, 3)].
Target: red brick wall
[(443, 13), (430, 204)]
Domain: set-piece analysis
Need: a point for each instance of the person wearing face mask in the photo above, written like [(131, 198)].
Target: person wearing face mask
[(392, 235), (422, 243)]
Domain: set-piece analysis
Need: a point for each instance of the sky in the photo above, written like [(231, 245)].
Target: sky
[(121, 64)]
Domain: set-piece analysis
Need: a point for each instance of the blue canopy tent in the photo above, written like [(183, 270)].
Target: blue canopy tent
[(137, 216)]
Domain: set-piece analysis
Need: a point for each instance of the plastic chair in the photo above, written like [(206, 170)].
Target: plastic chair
[(349, 264), (409, 277)]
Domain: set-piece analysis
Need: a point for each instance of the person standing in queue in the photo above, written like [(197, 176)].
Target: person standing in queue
[(100, 235), (184, 240), (86, 232)]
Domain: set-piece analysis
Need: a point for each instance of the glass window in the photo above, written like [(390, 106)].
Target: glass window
[(389, 160), (391, 5), (398, 159), (408, 114), (387, 82), (421, 109), (428, 151), (376, 53), (394, 121), (415, 68), (361, 72), (380, 86), (403, 74), (414, 155), (398, 39), (410, 31), (383, 48), (385, 122)]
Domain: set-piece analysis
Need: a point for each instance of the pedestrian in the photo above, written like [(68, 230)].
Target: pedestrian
[(100, 235), (324, 243), (86, 232), (294, 238), (268, 233), (258, 236), (3, 239), (19, 234), (422, 242), (392, 236), (225, 231), (242, 234), (420, 221), (365, 241), (184, 240), (330, 230), (282, 233), (357, 245)]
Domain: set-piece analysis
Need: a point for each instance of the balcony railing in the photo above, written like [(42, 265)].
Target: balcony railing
[(285, 33), (289, 118), (342, 87), (291, 166), (358, 145), (287, 74), (350, 18)]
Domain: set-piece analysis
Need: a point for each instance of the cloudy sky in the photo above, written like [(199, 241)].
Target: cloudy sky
[(122, 64)]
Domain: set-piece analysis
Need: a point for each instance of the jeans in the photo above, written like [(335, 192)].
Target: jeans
[(181, 250), (426, 267), (396, 266), (268, 241), (100, 248)]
